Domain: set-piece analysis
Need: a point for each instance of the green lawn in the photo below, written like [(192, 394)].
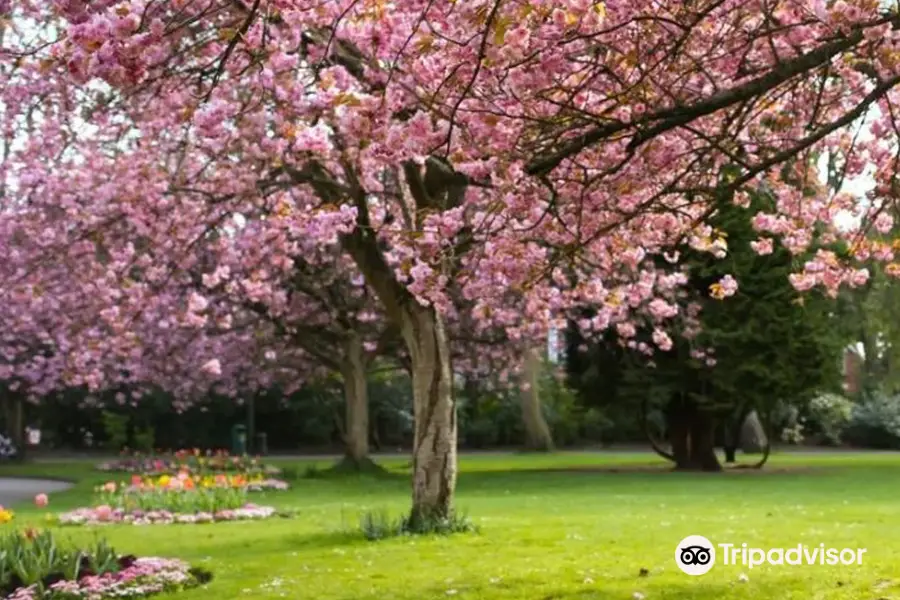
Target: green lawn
[(548, 532)]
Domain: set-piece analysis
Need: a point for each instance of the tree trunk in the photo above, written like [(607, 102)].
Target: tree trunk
[(733, 426), (537, 432), (692, 436), (17, 426), (680, 438), (434, 445), (730, 443), (356, 410), (730, 454), (703, 442)]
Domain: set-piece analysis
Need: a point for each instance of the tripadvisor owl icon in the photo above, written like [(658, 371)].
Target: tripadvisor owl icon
[(695, 555)]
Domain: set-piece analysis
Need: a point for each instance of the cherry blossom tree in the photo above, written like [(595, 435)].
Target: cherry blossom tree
[(543, 149), (313, 300)]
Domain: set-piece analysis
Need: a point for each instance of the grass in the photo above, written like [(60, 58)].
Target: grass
[(550, 529)]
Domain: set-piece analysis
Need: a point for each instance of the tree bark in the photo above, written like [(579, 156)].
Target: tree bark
[(703, 442), (730, 454), (17, 425), (537, 433), (422, 329), (692, 436), (680, 439), (733, 426), (434, 446), (356, 398)]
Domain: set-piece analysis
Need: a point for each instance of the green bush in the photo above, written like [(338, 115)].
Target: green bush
[(829, 415), (570, 422), (144, 438), (875, 421), (116, 428)]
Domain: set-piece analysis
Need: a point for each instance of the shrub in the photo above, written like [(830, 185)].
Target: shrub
[(116, 428), (875, 421), (144, 439), (596, 426), (793, 434), (829, 414)]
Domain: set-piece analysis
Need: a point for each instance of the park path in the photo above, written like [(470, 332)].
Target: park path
[(18, 489)]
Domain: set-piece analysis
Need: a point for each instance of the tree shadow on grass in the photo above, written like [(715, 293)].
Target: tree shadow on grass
[(323, 540), (347, 470), (522, 589)]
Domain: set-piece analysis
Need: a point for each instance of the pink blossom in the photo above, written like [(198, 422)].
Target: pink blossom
[(884, 222), (762, 246), (212, 367), (662, 340)]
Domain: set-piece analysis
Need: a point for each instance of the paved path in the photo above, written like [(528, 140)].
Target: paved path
[(14, 489)]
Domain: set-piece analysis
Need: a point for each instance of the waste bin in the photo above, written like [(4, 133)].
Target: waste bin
[(239, 440), (262, 444)]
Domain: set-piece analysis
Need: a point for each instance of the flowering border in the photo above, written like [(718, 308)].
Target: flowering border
[(144, 577), (265, 485), (106, 516), (148, 468)]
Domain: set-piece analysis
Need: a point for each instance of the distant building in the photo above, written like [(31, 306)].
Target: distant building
[(852, 369)]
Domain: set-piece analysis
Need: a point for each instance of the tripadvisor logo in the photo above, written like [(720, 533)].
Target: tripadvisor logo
[(696, 555)]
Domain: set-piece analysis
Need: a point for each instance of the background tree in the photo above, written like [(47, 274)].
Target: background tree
[(766, 344)]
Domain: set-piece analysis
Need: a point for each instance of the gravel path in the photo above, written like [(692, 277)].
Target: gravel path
[(15, 489)]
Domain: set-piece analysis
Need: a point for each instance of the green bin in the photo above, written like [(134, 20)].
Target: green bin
[(239, 440)]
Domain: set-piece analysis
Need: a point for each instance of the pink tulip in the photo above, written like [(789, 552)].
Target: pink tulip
[(103, 512), (41, 500)]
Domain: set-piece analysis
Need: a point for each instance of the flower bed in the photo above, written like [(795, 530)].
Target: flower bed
[(194, 461), (34, 566), (105, 515), (184, 481), (179, 499)]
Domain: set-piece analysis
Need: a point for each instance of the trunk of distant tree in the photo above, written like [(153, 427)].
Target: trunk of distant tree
[(692, 436), (14, 413), (678, 426), (703, 442), (732, 432), (730, 442), (434, 445), (730, 454), (537, 432), (356, 414)]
